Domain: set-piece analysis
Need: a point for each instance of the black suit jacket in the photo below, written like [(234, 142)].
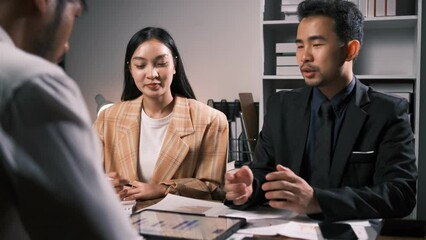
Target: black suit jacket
[(373, 172)]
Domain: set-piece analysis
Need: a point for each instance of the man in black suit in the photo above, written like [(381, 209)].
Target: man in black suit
[(367, 168)]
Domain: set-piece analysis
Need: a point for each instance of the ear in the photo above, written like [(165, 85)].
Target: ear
[(41, 5), (175, 63), (353, 48)]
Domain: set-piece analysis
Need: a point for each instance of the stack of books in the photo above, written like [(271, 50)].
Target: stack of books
[(286, 59), (289, 9), (380, 8), (383, 8)]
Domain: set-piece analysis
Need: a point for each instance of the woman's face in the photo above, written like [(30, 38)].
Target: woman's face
[(152, 67)]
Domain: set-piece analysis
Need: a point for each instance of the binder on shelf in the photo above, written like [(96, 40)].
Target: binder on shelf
[(405, 7)]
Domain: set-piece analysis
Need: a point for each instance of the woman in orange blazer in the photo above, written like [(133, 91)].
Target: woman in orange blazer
[(159, 139)]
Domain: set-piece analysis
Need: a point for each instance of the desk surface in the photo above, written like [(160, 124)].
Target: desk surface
[(272, 223)]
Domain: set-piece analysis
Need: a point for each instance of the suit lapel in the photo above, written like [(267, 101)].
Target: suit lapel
[(129, 140), (351, 127), (174, 149), (299, 132)]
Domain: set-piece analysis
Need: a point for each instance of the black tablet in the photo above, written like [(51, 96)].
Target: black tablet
[(157, 224), (333, 230)]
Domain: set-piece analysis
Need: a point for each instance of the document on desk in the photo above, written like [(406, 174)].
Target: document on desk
[(261, 221), (213, 208), (302, 227)]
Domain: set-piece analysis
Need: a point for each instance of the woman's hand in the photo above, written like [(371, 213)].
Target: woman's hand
[(142, 191), (117, 181)]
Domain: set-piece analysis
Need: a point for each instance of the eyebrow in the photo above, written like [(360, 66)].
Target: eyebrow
[(312, 38), (156, 58)]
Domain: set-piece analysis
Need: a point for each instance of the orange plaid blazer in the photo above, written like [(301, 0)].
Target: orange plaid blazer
[(192, 160)]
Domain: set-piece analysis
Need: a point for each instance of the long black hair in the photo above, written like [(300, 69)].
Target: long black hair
[(180, 84)]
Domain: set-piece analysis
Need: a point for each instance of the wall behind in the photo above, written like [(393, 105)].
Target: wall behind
[(219, 40)]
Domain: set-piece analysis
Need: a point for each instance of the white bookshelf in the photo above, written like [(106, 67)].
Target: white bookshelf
[(390, 54)]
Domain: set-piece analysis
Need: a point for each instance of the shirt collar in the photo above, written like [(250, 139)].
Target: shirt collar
[(337, 102), (4, 37)]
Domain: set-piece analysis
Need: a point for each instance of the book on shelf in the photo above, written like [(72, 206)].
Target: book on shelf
[(286, 60), (370, 8), (290, 16), (290, 2), (363, 7), (288, 70), (289, 8), (390, 7), (380, 8), (285, 48)]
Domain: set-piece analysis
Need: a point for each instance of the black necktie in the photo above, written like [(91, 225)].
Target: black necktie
[(323, 146)]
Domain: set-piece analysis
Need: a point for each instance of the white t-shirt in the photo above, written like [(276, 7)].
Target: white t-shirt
[(152, 135)]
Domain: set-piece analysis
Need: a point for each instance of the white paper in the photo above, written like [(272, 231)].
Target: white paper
[(213, 208)]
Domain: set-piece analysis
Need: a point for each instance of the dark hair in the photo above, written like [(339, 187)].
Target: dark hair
[(180, 84), (349, 21)]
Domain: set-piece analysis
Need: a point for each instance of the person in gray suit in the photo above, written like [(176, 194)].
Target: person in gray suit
[(51, 181), (367, 168)]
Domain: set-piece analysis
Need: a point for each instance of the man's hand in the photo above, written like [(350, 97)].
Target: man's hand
[(238, 185), (285, 190)]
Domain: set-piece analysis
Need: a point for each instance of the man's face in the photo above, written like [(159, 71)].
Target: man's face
[(52, 42), (320, 54)]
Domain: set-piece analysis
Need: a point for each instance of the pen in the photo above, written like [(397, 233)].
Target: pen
[(127, 184)]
